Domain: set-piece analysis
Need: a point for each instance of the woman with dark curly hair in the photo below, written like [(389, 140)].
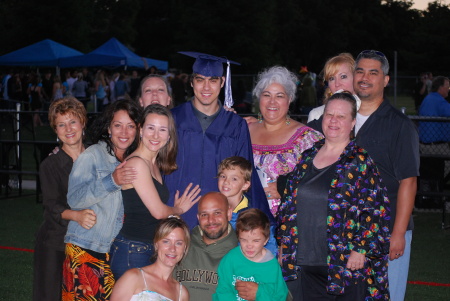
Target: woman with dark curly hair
[(95, 184)]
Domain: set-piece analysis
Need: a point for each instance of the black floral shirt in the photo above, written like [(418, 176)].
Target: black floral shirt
[(358, 219)]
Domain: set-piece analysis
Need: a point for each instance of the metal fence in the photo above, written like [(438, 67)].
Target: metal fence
[(17, 131)]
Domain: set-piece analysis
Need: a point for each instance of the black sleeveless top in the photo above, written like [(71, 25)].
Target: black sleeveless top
[(139, 224)]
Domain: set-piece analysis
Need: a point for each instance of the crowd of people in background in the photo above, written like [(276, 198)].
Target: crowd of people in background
[(312, 89), (36, 91)]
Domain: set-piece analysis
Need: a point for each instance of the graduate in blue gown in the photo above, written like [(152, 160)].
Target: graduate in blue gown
[(207, 134)]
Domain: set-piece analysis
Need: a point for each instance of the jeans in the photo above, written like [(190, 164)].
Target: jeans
[(126, 254), (398, 271)]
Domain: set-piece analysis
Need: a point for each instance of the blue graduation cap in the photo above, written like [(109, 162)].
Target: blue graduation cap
[(210, 65)]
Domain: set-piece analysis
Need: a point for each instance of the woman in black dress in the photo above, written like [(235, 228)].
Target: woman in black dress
[(67, 117)]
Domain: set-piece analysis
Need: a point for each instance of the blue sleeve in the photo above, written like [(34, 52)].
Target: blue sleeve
[(272, 243), (444, 108), (256, 196)]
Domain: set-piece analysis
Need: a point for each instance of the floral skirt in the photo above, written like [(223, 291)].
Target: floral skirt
[(86, 275)]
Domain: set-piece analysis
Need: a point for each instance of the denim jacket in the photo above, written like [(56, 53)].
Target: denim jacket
[(91, 186)]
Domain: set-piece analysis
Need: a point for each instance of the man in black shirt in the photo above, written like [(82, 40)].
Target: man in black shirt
[(392, 141)]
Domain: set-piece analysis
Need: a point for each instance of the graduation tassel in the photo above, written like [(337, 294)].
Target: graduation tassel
[(228, 95)]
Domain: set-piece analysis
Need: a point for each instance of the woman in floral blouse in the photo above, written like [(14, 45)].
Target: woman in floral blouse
[(333, 219), (277, 140)]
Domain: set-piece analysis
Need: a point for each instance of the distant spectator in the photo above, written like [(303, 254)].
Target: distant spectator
[(79, 89), (16, 87), (308, 98), (436, 105), (112, 83), (420, 90), (6, 84), (58, 88), (72, 77), (178, 89), (34, 92), (47, 86), (121, 88), (135, 82), (101, 88)]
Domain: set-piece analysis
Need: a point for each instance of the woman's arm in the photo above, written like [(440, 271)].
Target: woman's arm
[(126, 286), (52, 186), (90, 183), (184, 294), (149, 195), (86, 218)]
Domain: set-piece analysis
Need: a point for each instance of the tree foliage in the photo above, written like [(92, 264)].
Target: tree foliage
[(256, 33)]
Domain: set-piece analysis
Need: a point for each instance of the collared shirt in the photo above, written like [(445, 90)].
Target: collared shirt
[(205, 120)]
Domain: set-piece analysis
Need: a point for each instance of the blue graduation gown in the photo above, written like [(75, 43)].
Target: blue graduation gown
[(199, 155)]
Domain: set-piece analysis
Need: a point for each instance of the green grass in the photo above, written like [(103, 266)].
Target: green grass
[(430, 260), (20, 218)]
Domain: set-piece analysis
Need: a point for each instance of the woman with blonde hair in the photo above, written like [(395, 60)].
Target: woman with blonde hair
[(338, 74), (155, 281)]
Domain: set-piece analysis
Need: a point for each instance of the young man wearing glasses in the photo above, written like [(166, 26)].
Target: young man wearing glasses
[(392, 141)]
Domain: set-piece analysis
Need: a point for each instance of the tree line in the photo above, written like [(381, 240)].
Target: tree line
[(256, 33)]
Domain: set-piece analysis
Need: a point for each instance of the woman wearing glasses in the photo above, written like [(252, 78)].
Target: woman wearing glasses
[(334, 219)]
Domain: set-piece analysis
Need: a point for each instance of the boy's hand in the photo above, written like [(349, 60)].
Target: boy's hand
[(246, 289)]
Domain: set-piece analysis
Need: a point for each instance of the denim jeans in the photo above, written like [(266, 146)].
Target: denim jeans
[(398, 271), (126, 254)]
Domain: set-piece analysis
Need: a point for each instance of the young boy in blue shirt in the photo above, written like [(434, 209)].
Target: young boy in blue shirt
[(234, 178)]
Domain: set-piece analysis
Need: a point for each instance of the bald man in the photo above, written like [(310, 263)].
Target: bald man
[(210, 241)]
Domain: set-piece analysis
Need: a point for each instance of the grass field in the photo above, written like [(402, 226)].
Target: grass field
[(20, 218)]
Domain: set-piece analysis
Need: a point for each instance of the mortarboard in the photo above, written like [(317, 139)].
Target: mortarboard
[(210, 65)]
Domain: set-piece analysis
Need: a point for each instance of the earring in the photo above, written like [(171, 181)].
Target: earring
[(288, 119), (260, 118), (57, 139), (83, 132), (109, 135)]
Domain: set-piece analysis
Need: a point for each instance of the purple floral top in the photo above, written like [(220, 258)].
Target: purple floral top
[(276, 160)]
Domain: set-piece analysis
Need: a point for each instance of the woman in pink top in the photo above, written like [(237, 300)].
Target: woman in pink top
[(277, 140)]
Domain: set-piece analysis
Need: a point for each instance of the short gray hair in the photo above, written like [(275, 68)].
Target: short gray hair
[(279, 75), (374, 55)]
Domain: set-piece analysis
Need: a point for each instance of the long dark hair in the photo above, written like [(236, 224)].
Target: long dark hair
[(167, 156), (99, 129)]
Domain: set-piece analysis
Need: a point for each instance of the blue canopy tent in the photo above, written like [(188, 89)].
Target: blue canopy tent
[(44, 53), (112, 54)]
